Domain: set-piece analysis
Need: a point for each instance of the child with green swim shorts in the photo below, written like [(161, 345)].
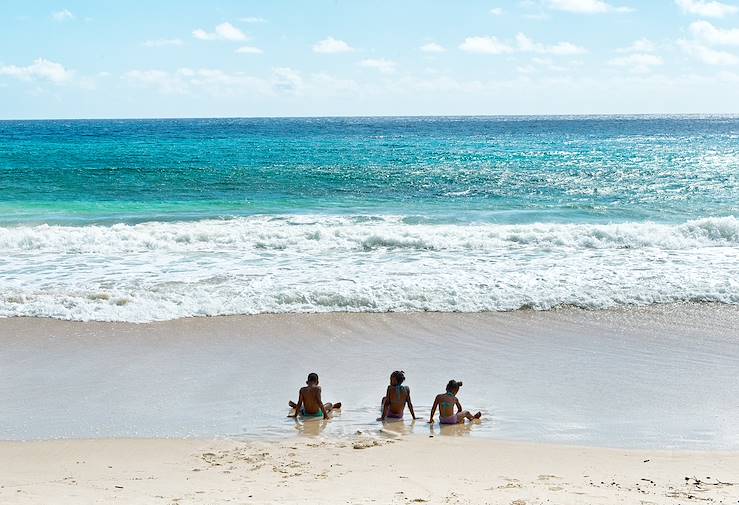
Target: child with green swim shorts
[(309, 403)]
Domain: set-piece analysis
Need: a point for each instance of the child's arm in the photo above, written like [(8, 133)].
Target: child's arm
[(320, 403), (433, 410), (410, 405), (298, 405), (386, 404), (459, 405)]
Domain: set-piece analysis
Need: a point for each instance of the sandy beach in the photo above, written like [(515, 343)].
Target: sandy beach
[(192, 411), (360, 470)]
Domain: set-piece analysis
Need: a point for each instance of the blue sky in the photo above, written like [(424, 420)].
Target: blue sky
[(77, 59)]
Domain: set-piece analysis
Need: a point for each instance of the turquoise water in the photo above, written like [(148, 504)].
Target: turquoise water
[(154, 219), (459, 169)]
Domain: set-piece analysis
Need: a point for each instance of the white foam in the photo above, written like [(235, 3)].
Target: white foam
[(155, 271)]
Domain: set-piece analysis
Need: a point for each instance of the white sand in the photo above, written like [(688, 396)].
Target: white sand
[(654, 377), (406, 470)]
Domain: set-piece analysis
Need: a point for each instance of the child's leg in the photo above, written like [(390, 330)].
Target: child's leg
[(461, 416), (292, 404), (331, 406)]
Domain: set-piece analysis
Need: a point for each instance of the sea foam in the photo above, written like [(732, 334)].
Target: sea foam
[(318, 263)]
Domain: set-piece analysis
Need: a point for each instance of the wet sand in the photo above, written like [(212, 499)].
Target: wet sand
[(659, 377)]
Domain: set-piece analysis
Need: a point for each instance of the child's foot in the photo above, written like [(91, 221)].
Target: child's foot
[(336, 406), (292, 404), (478, 415)]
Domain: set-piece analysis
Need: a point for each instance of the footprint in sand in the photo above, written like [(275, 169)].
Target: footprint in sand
[(511, 484), (547, 477)]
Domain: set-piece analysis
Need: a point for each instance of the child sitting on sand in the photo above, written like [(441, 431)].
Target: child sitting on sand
[(446, 403), (309, 401), (396, 398)]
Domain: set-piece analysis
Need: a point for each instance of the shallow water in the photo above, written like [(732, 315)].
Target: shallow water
[(660, 377)]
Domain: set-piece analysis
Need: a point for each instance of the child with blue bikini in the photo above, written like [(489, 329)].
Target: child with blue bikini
[(309, 401), (396, 398), (446, 403)]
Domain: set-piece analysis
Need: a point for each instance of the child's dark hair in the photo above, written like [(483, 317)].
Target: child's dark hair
[(399, 376), (312, 377), (453, 385)]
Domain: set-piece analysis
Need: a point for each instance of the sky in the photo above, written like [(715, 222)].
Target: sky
[(243, 58)]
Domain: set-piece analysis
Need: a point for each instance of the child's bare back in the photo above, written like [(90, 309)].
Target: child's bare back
[(396, 398), (310, 403), (311, 398)]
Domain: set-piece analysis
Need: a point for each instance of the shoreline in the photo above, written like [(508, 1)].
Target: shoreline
[(405, 470), (649, 377), (653, 307)]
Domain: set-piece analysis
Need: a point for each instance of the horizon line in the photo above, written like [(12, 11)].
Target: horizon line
[(385, 116)]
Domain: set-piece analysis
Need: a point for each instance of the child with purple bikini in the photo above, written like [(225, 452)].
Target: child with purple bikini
[(446, 403), (396, 398)]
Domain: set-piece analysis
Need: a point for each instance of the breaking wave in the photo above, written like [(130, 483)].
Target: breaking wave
[(157, 270)]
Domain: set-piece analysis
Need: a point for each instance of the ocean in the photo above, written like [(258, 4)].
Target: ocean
[(144, 220)]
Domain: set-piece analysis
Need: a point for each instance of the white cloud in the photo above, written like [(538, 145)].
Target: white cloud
[(492, 45), (325, 84), (162, 42), (249, 50), (485, 45), (706, 32), (188, 81), (62, 15), (496, 11), (586, 6), (379, 64), (563, 49), (201, 34), (165, 82), (330, 45), (637, 62), (526, 45), (526, 69), (224, 31), (706, 8), (40, 69), (209, 82), (546, 63), (706, 54), (252, 19), (639, 46), (432, 47), (287, 80)]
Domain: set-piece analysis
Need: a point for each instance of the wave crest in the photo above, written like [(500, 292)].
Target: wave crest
[(155, 271), (362, 234)]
